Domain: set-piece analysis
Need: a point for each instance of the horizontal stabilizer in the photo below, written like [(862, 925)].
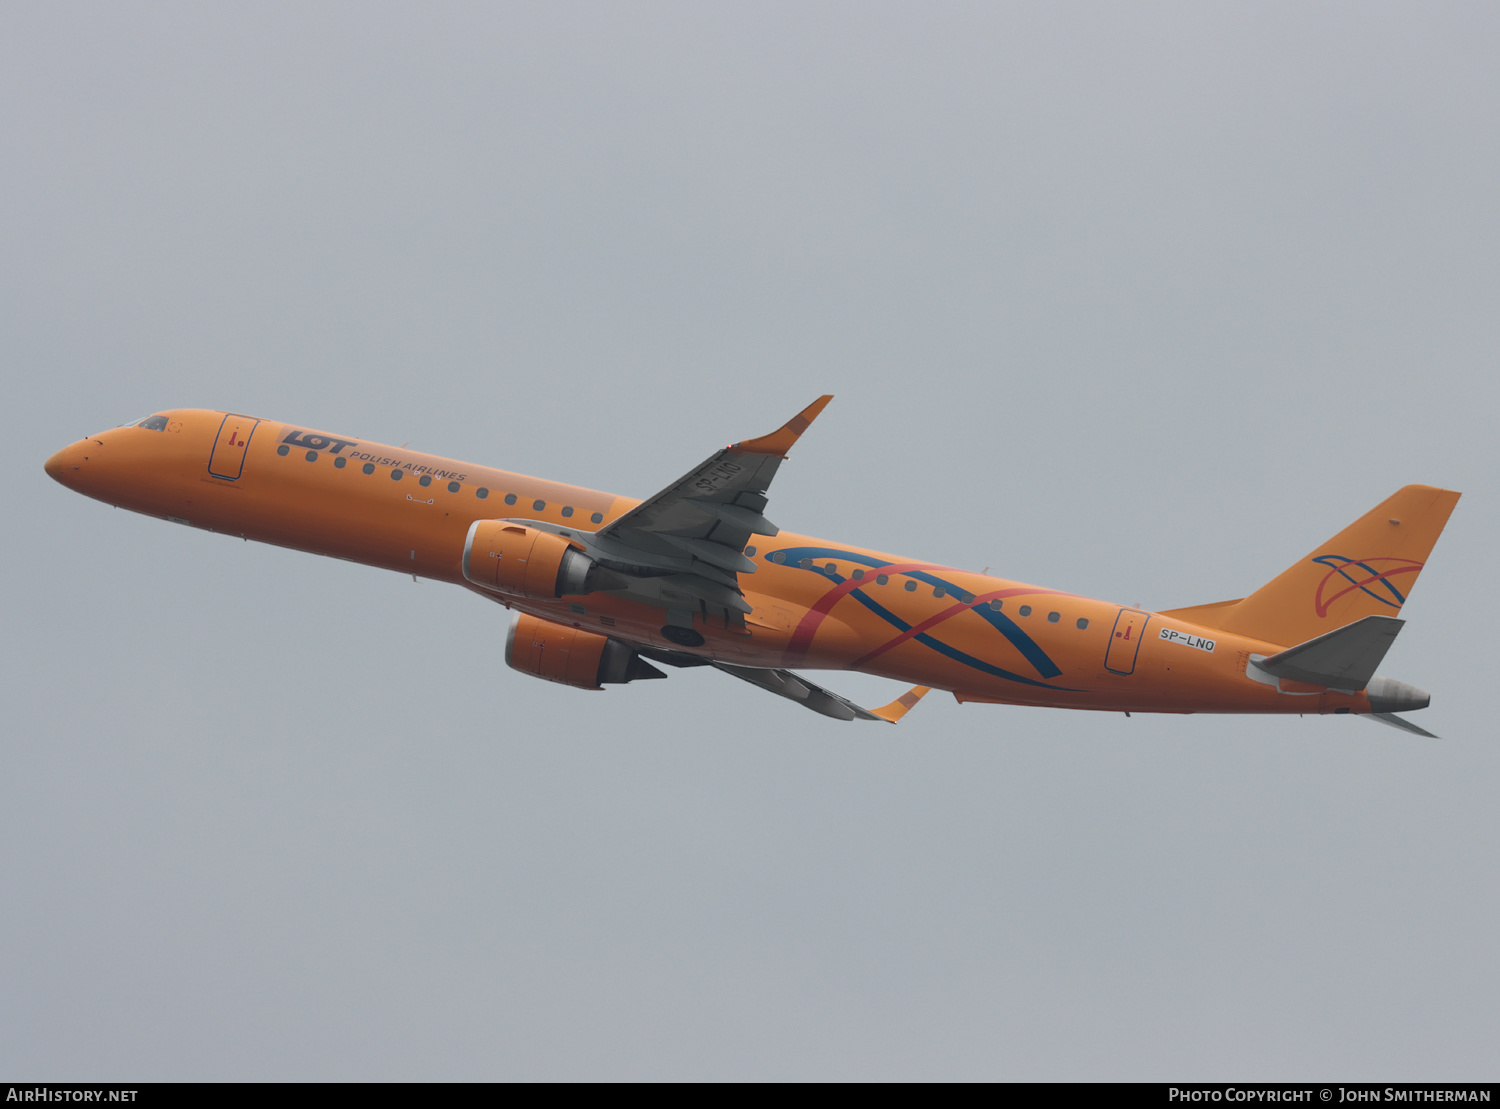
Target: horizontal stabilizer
[(1345, 658), (1397, 722)]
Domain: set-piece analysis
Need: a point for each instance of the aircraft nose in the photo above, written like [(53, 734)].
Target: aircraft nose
[(65, 464)]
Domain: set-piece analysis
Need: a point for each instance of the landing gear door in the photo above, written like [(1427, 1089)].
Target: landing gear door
[(1125, 641), (228, 458)]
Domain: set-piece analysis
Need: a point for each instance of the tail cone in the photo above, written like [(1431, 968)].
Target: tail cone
[(1389, 695)]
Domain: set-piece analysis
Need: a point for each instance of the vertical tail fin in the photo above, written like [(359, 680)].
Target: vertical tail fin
[(1367, 569)]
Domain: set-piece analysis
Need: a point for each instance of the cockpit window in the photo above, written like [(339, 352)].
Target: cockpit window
[(154, 423)]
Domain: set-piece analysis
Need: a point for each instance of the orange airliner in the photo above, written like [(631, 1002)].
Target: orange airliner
[(604, 586)]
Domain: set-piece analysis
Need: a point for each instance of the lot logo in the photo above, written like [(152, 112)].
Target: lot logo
[(308, 441)]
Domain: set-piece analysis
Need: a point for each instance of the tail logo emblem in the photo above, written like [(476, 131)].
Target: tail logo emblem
[(1371, 576)]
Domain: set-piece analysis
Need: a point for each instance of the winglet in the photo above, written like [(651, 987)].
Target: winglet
[(902, 704), (780, 441)]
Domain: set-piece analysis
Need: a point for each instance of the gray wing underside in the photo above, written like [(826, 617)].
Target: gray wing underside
[(707, 516), (794, 687), (684, 548)]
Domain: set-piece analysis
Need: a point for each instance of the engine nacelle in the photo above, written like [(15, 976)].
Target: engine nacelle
[(571, 656), (524, 562)]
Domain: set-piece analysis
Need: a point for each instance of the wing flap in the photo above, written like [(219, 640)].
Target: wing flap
[(725, 558)]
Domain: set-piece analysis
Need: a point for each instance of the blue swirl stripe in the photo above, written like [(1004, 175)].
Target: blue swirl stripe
[(1028, 647), (1339, 564)]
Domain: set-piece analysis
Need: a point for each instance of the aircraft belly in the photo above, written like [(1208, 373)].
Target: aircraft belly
[(912, 639)]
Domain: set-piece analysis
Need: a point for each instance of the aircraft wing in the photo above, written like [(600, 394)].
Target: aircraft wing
[(694, 531), (794, 687)]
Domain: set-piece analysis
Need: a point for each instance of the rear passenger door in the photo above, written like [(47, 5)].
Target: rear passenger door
[(1125, 640)]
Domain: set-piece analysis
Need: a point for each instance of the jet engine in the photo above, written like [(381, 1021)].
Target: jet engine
[(525, 562), (571, 656)]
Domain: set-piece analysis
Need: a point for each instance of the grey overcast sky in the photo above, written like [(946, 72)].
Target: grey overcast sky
[(1140, 301)]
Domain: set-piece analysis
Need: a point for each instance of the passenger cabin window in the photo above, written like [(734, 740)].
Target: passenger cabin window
[(1053, 617), (538, 506), (510, 498), (1082, 623), (481, 493), (597, 518), (1025, 610), (567, 511), (453, 487), (154, 423), (369, 467), (911, 587), (426, 479)]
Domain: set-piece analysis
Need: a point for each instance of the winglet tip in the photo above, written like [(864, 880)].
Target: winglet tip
[(898, 708), (780, 441)]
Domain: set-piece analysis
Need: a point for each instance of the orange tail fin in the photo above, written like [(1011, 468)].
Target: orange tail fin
[(1367, 569)]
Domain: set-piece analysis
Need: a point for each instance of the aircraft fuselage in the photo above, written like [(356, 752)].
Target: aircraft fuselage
[(815, 603)]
